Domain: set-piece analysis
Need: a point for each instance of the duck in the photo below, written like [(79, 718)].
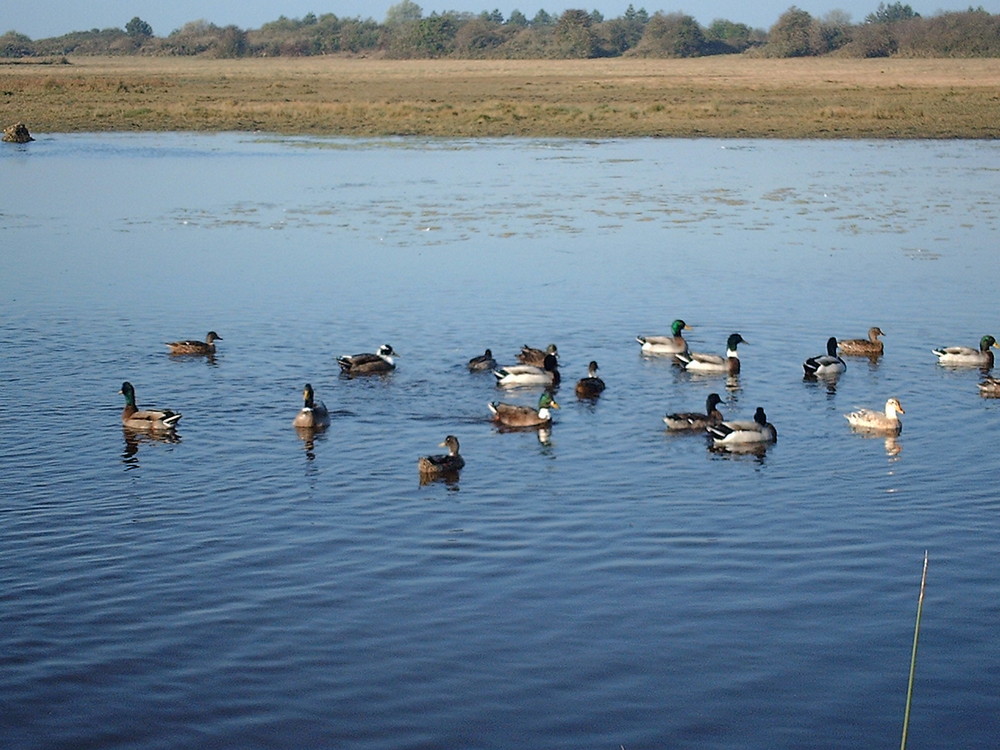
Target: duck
[(827, 365), (990, 388), (195, 347), (513, 415), (700, 362), (483, 362), (156, 420), (883, 422), (744, 433), (314, 414), (870, 347), (590, 386), (693, 421), (515, 375), (444, 464), (966, 356), (530, 356), (367, 364), (673, 344)]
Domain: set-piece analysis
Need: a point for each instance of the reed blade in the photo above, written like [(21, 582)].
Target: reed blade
[(913, 655)]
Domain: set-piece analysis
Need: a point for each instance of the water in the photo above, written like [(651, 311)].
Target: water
[(611, 586)]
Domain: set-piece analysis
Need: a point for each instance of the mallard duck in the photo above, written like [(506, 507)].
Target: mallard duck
[(990, 388), (700, 362), (195, 347), (314, 413), (529, 356), (483, 362), (366, 364), (870, 347), (827, 365), (693, 421), (158, 420), (884, 422), (590, 386), (672, 344), (514, 375), (443, 464), (513, 415), (744, 433), (966, 356)]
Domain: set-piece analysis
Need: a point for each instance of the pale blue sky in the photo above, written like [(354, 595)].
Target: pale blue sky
[(45, 18)]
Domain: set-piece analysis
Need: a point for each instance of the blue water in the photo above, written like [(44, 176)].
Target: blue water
[(611, 585)]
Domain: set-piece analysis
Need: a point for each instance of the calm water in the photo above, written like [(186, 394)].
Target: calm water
[(614, 586)]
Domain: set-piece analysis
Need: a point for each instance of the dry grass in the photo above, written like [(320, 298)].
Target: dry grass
[(717, 97)]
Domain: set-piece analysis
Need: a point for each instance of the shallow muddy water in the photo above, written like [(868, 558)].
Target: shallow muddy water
[(610, 585)]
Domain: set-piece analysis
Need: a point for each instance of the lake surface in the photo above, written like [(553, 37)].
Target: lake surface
[(611, 585)]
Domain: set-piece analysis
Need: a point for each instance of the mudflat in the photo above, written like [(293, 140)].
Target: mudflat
[(725, 96)]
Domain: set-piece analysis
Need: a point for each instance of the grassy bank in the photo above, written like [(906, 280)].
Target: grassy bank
[(718, 97)]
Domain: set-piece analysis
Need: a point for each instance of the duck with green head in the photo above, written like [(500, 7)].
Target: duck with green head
[(672, 344), (513, 415), (715, 363), (156, 420), (966, 356)]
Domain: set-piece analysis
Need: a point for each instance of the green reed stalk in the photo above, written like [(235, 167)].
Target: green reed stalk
[(913, 656)]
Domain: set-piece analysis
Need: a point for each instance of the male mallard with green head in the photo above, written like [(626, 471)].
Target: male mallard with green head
[(710, 363), (157, 420), (966, 356), (513, 415), (672, 344), (195, 347)]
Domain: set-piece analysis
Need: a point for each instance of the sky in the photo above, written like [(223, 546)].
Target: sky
[(39, 19)]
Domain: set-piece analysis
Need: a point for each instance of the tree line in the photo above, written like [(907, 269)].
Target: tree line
[(407, 33)]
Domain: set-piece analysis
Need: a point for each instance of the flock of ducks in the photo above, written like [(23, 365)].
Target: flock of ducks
[(540, 368)]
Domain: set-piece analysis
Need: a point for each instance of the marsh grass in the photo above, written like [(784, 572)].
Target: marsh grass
[(716, 97)]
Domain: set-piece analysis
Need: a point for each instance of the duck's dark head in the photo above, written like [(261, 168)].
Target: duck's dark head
[(986, 342), (451, 443), (128, 392), (307, 396), (759, 416), (831, 346), (734, 340), (679, 325), (713, 400)]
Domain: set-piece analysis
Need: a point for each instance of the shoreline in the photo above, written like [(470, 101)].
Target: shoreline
[(716, 97)]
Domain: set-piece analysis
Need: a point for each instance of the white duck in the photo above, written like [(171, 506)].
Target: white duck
[(872, 420)]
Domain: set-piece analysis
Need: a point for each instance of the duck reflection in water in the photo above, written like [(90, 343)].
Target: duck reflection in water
[(134, 438)]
